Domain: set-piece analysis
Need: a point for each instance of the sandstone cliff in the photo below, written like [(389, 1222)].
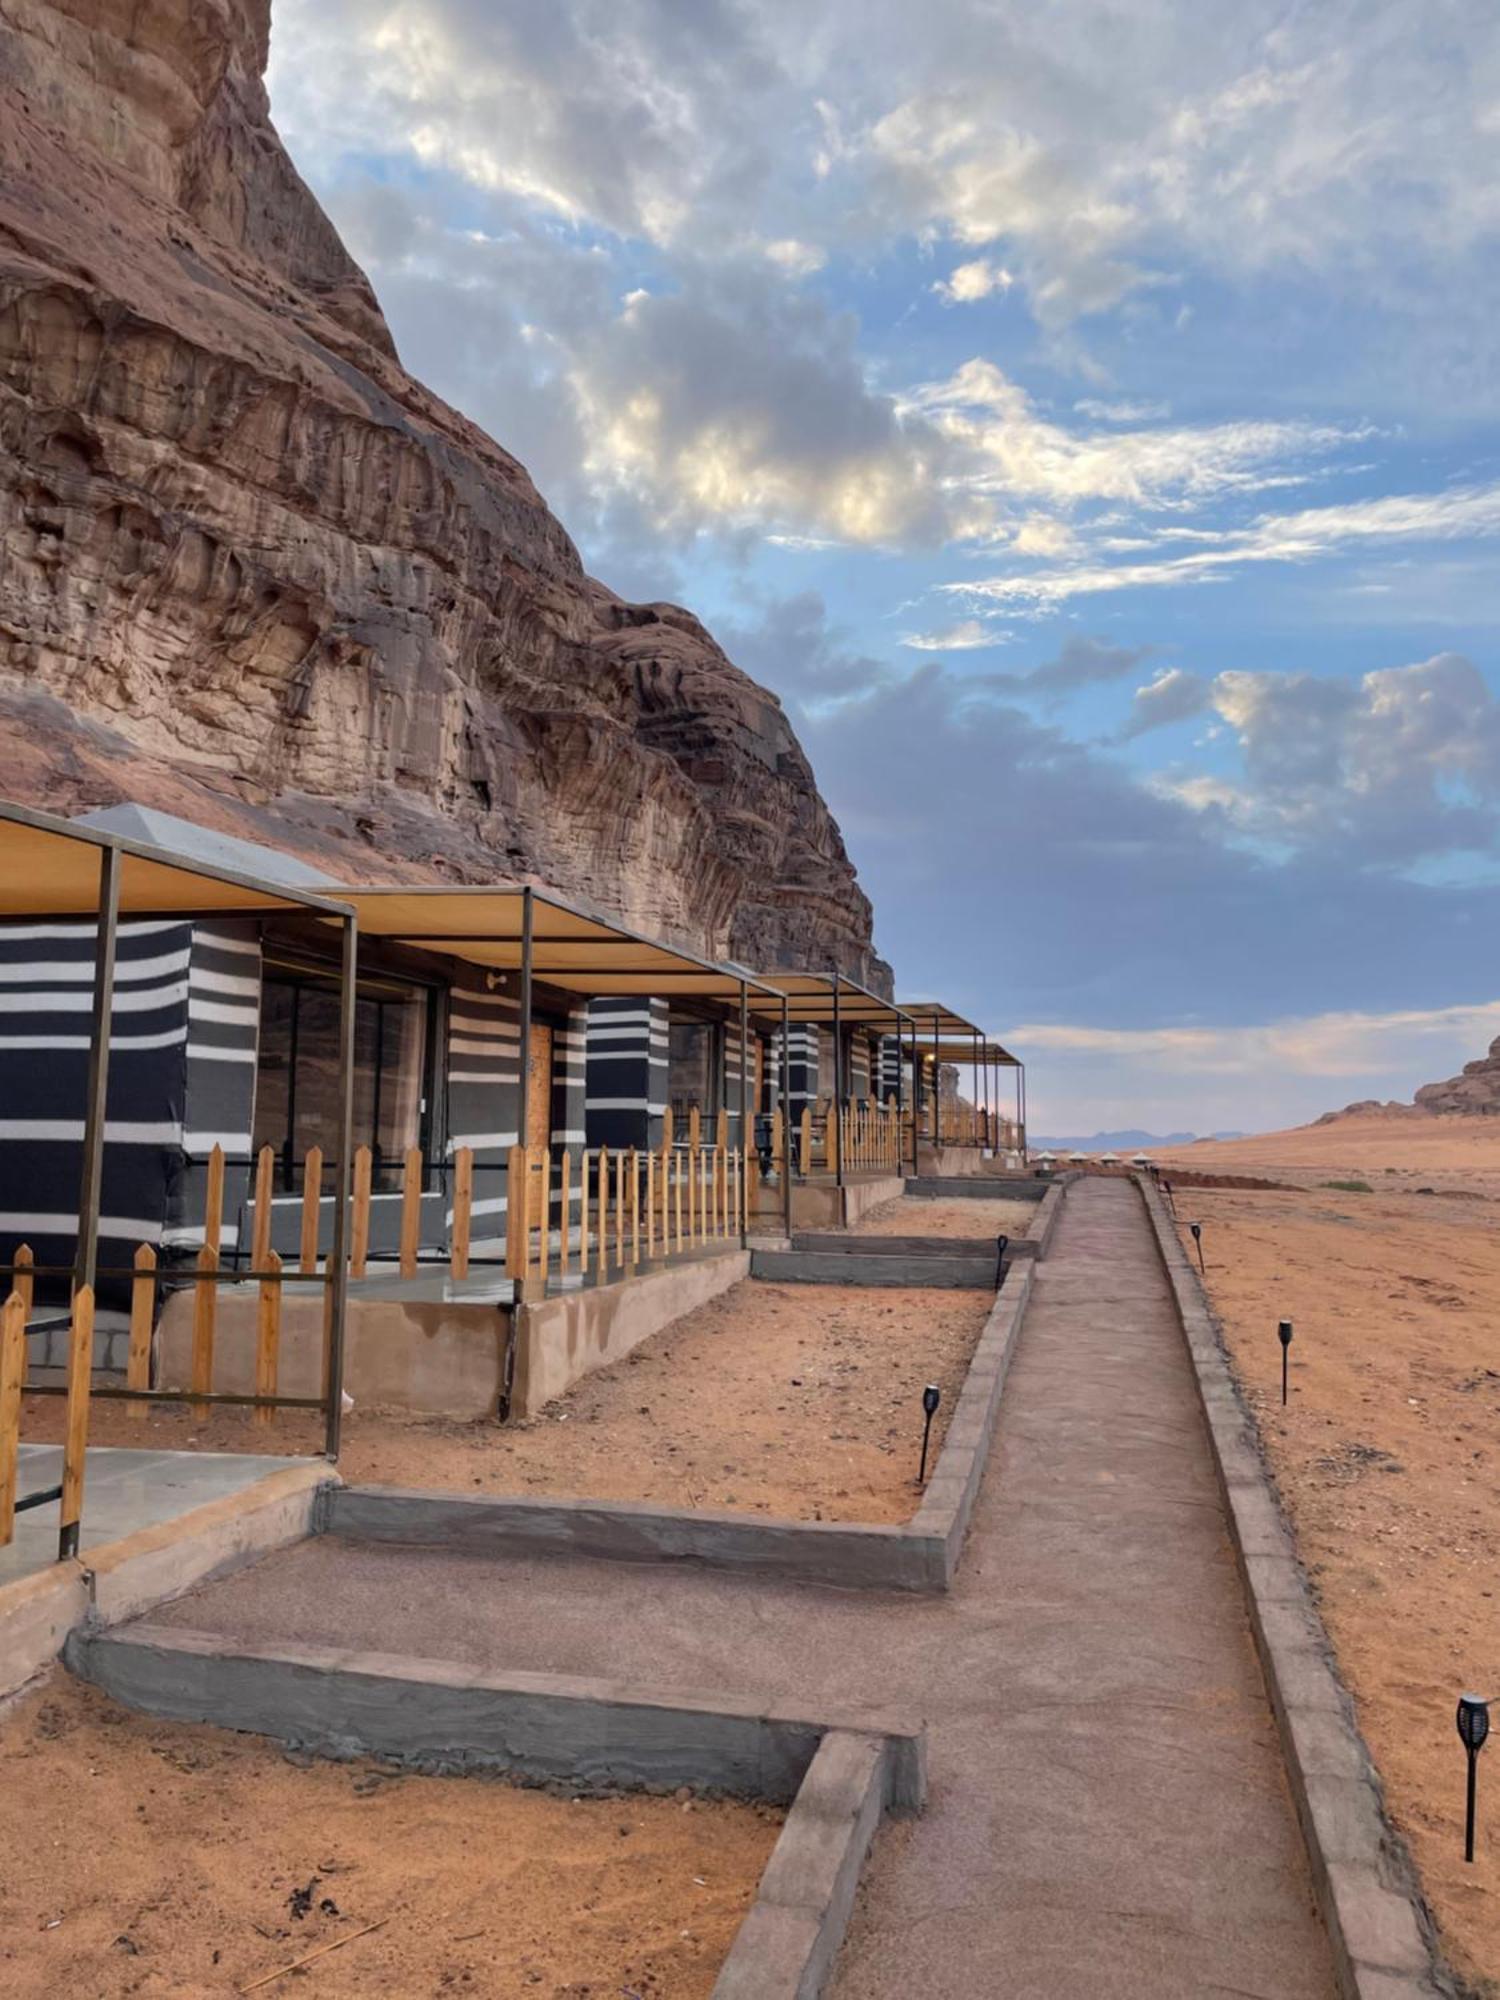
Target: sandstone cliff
[(250, 571), (1476, 1091)]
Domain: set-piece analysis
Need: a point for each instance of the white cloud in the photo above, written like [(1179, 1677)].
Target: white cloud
[(967, 636), (967, 283), (1334, 1045)]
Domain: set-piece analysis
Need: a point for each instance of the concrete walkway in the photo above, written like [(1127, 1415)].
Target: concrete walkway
[(1108, 1814)]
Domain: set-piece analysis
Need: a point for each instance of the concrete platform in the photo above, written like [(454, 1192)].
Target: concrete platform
[(1108, 1813), (123, 1491)]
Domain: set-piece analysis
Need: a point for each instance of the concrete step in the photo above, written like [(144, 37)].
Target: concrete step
[(865, 1265)]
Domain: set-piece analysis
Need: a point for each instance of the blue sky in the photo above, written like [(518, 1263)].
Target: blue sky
[(1087, 420)]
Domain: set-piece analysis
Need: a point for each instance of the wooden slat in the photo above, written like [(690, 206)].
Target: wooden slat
[(805, 1138), (677, 1170), (544, 1217), (260, 1229), (517, 1226), (142, 1312), (80, 1382), (603, 1215), (312, 1196), (12, 1381), (583, 1213), (650, 1204), (23, 1280), (620, 1247), (463, 1208), (635, 1209), (359, 1226), (213, 1203), (695, 1128), (268, 1335), (565, 1211), (411, 1209), (205, 1308)]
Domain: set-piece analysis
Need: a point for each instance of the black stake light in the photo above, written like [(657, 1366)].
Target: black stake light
[(932, 1395), (1002, 1244), (1166, 1188), (1196, 1229), (1473, 1728), (1284, 1335)]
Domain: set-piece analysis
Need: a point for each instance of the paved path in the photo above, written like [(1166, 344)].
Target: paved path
[(1108, 1818)]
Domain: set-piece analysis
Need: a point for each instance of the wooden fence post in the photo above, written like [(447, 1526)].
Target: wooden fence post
[(12, 1381), (805, 1137), (635, 1209), (213, 1203), (24, 1280), (359, 1228), (676, 1201), (650, 1204), (205, 1309), (411, 1210), (260, 1232), (312, 1201), (463, 1208), (604, 1215), (142, 1312), (565, 1211), (268, 1334), (583, 1213), (517, 1215), (80, 1383), (620, 1252)]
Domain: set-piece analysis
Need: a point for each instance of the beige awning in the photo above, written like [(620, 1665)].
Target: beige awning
[(810, 998), (955, 1035), (570, 948), (50, 867)]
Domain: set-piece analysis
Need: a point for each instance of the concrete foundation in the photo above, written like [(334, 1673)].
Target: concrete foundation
[(560, 1340), (823, 1204), (414, 1349), (924, 1262)]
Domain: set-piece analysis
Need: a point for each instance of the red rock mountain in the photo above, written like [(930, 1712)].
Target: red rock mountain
[(252, 572)]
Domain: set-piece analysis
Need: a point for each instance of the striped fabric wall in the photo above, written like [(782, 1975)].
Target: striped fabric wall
[(732, 1081), (222, 1043), (46, 987), (627, 1072), (483, 1072), (803, 1052), (890, 1068), (857, 1066), (569, 1096)]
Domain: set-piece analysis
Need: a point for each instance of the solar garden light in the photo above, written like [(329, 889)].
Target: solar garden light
[(1473, 1728), (932, 1395), (1002, 1244), (1284, 1335), (1195, 1229)]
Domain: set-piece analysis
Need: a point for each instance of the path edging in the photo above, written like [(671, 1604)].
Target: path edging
[(1383, 1940), (921, 1554)]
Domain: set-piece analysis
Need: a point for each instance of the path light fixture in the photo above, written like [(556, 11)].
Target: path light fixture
[(1284, 1335), (932, 1395), (1195, 1229), (1473, 1728), (1002, 1244), (1166, 1188)]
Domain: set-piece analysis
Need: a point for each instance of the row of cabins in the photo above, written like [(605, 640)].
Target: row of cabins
[(339, 1129)]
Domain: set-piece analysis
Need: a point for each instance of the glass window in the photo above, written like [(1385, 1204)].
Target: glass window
[(691, 1069), (297, 1080)]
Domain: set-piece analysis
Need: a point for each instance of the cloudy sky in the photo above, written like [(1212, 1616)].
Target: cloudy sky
[(1085, 417)]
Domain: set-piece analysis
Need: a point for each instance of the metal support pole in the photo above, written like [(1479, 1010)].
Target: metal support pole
[(937, 1086), (838, 1089), (523, 1094), (916, 1102), (786, 1115), (91, 1179), (974, 1067), (900, 1088), (747, 1135), (337, 1275)]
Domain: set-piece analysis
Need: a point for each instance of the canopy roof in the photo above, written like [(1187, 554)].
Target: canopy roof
[(810, 998), (50, 867), (569, 948), (955, 1035)]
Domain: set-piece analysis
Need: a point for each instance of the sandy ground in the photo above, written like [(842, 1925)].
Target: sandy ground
[(161, 1859), (801, 1401), (912, 1216), (1407, 1153), (1388, 1457)]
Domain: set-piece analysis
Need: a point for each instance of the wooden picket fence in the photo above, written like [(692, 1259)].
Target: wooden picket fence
[(609, 1210)]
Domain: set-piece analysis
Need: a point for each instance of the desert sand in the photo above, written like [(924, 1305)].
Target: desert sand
[(800, 1401), (1388, 1455), (912, 1216), (159, 1858)]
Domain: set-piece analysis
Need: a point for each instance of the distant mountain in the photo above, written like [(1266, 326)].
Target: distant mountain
[(1124, 1142)]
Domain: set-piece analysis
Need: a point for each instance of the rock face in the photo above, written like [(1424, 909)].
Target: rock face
[(251, 572), (1476, 1092)]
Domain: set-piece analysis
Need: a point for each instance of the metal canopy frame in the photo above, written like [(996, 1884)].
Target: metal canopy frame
[(960, 1041), (833, 999), (537, 934), (51, 868)]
